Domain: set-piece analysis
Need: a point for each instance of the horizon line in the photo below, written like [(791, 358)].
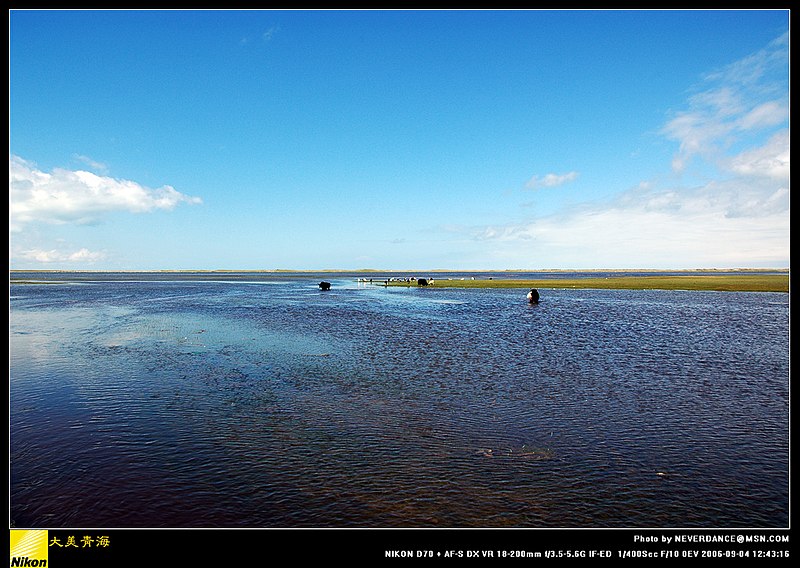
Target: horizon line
[(480, 270)]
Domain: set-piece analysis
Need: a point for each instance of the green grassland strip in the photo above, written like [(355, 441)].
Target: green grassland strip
[(731, 283)]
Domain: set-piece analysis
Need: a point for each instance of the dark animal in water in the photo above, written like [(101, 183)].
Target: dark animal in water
[(324, 285), (533, 296), (422, 282)]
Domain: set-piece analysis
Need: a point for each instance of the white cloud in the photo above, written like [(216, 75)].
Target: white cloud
[(81, 256), (737, 217), (268, 35), (97, 166), (770, 113), (738, 101), (770, 160), (668, 229), (752, 69), (741, 221), (80, 197), (551, 180)]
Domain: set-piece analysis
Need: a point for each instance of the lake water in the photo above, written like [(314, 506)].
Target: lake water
[(260, 401)]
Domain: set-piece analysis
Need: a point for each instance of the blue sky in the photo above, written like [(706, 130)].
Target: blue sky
[(464, 140)]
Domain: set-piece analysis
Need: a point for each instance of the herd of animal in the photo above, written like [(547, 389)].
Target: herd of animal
[(533, 294)]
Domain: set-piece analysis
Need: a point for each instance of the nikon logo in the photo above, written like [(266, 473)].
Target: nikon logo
[(28, 548), (17, 561)]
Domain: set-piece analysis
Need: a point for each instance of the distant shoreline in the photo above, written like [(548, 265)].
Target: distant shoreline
[(742, 282), (402, 271), (753, 280)]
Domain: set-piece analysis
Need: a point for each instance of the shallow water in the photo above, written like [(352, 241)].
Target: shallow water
[(264, 402)]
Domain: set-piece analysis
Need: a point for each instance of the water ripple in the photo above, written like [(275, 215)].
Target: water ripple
[(195, 404)]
